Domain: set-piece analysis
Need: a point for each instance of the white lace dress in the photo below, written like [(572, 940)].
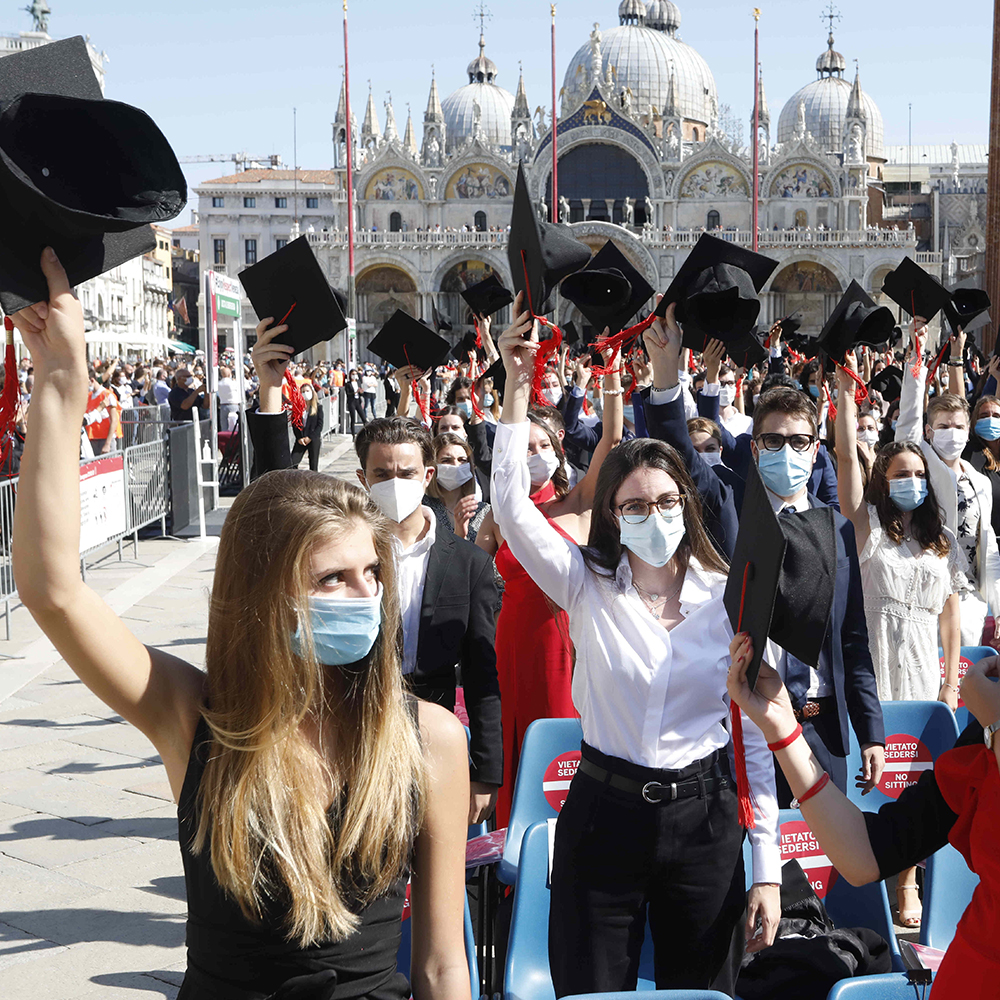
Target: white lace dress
[(905, 590)]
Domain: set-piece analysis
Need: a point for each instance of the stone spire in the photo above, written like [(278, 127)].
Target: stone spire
[(434, 113), (763, 112), (341, 117), (670, 109), (391, 132), (521, 127), (410, 138), (370, 131), (432, 149), (521, 109), (855, 103)]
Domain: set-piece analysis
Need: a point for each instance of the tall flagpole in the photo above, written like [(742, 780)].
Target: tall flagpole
[(555, 122), (756, 124), (351, 292)]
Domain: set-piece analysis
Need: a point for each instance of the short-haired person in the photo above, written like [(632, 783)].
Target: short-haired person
[(644, 600), (964, 495), (841, 689), (957, 801), (187, 395), (307, 783), (445, 584)]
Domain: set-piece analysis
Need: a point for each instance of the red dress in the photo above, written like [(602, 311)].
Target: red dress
[(970, 783), (534, 660)]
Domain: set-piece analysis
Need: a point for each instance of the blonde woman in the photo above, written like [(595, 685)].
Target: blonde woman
[(307, 784), (453, 494), (309, 436)]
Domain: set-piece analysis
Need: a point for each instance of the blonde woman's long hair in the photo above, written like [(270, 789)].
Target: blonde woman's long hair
[(262, 801)]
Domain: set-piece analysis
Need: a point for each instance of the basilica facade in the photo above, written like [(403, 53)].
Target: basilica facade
[(645, 158)]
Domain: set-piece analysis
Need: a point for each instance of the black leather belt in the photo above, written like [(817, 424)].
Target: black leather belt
[(654, 791), (820, 706)]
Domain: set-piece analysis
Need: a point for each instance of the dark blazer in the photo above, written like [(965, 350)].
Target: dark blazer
[(457, 622), (666, 422)]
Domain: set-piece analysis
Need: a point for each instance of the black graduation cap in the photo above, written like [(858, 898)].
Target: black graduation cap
[(790, 324), (919, 293), (78, 173), (440, 323), (290, 283), (404, 340), (782, 576), (498, 373), (746, 352), (896, 336), (609, 291), (888, 383), (856, 322), (967, 309), (487, 297), (540, 254), (717, 288), (460, 352), (571, 335)]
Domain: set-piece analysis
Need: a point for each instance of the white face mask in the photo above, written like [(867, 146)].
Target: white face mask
[(307, 394), (542, 465), (553, 395), (712, 457), (868, 437), (755, 398), (655, 540), (451, 477), (950, 442), (726, 395), (397, 498)]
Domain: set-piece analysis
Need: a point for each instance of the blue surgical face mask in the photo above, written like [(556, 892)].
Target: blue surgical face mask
[(466, 407), (988, 428), (344, 629), (785, 472), (488, 399), (655, 540), (814, 391), (908, 493)]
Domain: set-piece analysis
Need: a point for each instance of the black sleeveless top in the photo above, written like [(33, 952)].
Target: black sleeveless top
[(232, 958)]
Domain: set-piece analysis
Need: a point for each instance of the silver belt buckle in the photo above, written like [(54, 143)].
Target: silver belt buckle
[(655, 784)]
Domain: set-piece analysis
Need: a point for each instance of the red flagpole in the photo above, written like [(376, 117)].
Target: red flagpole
[(555, 121), (350, 175), (756, 124)]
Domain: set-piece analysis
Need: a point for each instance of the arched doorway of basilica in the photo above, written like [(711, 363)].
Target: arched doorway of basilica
[(596, 179), (807, 288), (381, 290), (456, 280)]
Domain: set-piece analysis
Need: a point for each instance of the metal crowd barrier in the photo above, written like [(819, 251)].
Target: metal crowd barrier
[(142, 424)]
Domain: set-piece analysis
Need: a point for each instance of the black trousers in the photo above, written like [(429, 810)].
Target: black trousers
[(313, 448), (817, 731), (617, 856)]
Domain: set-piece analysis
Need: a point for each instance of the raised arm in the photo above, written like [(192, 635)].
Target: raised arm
[(850, 488), (612, 424), (909, 427), (158, 693), (956, 380)]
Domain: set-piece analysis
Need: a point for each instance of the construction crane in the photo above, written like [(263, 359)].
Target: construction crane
[(243, 161)]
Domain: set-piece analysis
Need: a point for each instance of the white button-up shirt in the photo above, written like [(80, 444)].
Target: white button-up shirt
[(645, 694), (411, 574)]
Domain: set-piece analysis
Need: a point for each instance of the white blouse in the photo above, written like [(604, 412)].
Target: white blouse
[(647, 695)]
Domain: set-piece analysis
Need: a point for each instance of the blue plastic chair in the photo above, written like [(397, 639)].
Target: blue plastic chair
[(948, 888), (849, 905), (545, 740), (891, 986), (528, 975), (970, 654), (406, 947), (932, 722)]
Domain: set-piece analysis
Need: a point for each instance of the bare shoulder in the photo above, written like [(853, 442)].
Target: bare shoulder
[(442, 735)]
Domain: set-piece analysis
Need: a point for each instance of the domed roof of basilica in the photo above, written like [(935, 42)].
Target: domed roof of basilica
[(644, 59), (826, 102), (495, 105)]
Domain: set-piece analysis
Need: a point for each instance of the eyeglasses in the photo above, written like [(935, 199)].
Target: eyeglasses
[(775, 442), (636, 511)]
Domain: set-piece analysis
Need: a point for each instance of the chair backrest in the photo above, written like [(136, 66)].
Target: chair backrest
[(528, 975), (948, 888), (550, 755), (406, 946), (916, 734), (848, 905), (967, 656), (890, 986)]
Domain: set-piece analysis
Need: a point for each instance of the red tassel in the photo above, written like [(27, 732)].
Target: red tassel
[(295, 404), (937, 361), (10, 397), (743, 793), (545, 351), (829, 400), (479, 335), (476, 408)]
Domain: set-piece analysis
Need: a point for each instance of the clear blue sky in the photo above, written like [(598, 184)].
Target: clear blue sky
[(220, 76)]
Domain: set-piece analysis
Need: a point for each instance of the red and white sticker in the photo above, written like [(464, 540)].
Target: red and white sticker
[(557, 778), (963, 666), (800, 843), (906, 758)]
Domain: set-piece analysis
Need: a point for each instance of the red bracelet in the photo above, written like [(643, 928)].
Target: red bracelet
[(815, 790), (787, 741)]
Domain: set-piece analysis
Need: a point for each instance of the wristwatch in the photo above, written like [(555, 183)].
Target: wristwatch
[(989, 732)]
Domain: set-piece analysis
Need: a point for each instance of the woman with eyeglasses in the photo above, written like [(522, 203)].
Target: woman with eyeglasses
[(650, 819)]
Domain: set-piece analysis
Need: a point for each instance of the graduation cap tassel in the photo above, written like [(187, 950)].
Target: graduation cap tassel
[(479, 334), (744, 795), (9, 395), (546, 349), (295, 404), (937, 361), (860, 391), (476, 408), (829, 402), (422, 406)]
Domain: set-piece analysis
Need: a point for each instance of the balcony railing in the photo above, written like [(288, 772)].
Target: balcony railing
[(790, 238)]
